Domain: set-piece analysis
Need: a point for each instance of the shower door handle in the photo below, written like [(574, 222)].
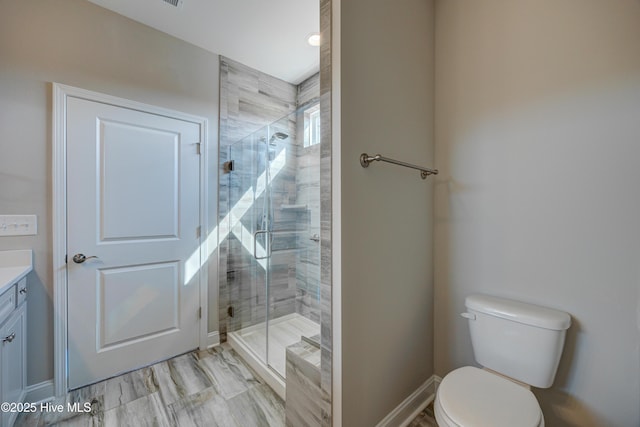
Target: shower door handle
[(267, 242)]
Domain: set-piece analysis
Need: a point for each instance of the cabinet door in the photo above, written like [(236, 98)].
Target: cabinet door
[(12, 359)]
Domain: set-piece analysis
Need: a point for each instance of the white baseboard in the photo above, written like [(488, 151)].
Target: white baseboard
[(436, 382), (40, 392), (404, 413)]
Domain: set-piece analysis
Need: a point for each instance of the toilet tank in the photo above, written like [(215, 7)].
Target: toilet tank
[(522, 341)]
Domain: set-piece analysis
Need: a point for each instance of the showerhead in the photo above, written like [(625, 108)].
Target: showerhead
[(277, 135)]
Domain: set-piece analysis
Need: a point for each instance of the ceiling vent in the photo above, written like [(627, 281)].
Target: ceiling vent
[(174, 3)]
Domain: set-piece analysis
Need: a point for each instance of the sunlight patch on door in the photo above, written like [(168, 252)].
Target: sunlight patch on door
[(136, 302)]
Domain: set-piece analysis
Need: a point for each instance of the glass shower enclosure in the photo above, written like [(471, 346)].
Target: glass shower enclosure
[(273, 244)]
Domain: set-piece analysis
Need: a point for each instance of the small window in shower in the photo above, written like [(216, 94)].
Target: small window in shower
[(312, 125)]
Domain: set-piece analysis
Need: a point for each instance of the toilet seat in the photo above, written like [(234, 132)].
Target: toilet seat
[(472, 397)]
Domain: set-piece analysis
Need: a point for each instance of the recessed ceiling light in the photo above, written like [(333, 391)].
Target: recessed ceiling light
[(314, 39)]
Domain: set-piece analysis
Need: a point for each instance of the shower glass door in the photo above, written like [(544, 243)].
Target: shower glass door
[(248, 243), (293, 269), (283, 221), (273, 256)]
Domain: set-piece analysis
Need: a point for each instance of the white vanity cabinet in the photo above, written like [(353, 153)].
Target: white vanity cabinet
[(14, 266)]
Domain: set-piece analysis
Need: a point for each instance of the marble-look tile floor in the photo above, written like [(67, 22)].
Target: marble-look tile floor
[(203, 388), (426, 418)]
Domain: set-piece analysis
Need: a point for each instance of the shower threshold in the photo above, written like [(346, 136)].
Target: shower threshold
[(250, 344)]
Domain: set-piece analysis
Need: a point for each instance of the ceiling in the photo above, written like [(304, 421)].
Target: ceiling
[(266, 35)]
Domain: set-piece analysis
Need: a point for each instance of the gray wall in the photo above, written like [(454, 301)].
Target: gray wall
[(538, 144), (387, 54), (77, 43)]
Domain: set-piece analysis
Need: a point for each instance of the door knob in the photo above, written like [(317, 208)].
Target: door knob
[(80, 258)]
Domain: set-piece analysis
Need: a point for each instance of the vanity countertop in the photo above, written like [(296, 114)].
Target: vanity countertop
[(14, 265)]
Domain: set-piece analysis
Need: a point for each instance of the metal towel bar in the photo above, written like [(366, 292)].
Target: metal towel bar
[(365, 159)]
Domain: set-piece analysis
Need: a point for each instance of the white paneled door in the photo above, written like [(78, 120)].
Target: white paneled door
[(133, 203)]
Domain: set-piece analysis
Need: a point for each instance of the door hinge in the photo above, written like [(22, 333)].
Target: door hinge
[(228, 166), (198, 148), (198, 231), (230, 311), (231, 275), (65, 258), (199, 312)]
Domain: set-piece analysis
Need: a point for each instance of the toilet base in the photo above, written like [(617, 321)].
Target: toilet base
[(441, 417)]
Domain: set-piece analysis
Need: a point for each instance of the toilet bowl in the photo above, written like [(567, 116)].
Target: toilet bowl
[(519, 345), (473, 397)]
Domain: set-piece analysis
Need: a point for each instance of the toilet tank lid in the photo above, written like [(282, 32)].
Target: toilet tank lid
[(529, 314)]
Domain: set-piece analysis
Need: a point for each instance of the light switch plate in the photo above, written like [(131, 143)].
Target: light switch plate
[(18, 225)]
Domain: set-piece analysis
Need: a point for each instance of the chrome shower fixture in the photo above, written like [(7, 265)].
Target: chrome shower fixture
[(278, 135)]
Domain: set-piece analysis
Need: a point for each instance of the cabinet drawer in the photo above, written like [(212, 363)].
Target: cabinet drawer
[(22, 290), (13, 351), (7, 303)]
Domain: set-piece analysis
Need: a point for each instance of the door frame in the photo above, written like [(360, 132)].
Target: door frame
[(59, 213)]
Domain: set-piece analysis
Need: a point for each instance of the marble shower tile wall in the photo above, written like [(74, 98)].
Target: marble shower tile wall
[(310, 277), (240, 266), (309, 91), (304, 403), (326, 347), (249, 100), (246, 276), (223, 246), (308, 254), (282, 286), (308, 195)]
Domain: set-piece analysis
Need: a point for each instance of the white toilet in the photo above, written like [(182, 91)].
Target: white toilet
[(518, 345)]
